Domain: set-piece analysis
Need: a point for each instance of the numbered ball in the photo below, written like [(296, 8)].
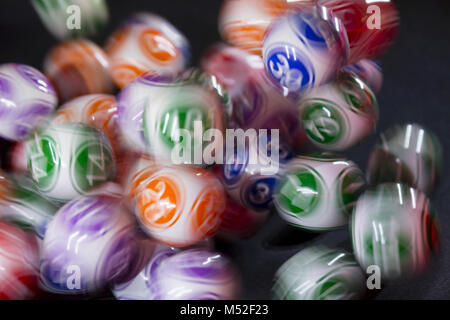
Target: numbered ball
[(320, 273), (318, 192), (394, 228), (69, 159), (207, 274), (89, 244), (251, 173), (339, 115), (148, 44), (19, 263), (26, 97), (371, 26), (72, 18), (409, 154), (177, 205), (305, 49), (140, 287), (369, 71), (77, 68)]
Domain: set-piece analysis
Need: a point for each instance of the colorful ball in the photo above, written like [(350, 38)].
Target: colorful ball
[(369, 71), (19, 263), (318, 192), (89, 244), (339, 115), (69, 159), (26, 97), (146, 44), (177, 205), (62, 21), (77, 68), (140, 287), (371, 26), (305, 49), (195, 274), (320, 273), (394, 227), (408, 154)]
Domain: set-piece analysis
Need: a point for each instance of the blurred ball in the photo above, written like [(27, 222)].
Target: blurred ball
[(72, 18), (19, 260), (17, 159), (147, 43), (305, 49), (318, 192), (26, 97), (394, 227), (195, 274), (78, 67), (89, 244), (371, 26), (339, 115), (409, 154), (369, 71), (177, 205), (67, 160), (319, 273)]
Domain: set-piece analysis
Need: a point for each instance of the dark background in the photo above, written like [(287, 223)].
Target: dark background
[(416, 89)]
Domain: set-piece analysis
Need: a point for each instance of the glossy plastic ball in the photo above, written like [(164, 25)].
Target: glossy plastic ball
[(26, 97), (369, 71)]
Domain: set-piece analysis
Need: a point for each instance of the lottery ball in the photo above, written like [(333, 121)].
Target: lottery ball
[(78, 67), (17, 160), (153, 46), (304, 50), (320, 273), (19, 263), (72, 18), (178, 118), (69, 159), (177, 205), (251, 173), (371, 26), (195, 274), (89, 244), (409, 154), (22, 204), (140, 287), (318, 192), (338, 115), (26, 97), (394, 227), (243, 23), (257, 103), (369, 71)]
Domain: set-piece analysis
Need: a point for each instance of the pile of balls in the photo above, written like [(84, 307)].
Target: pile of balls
[(93, 202)]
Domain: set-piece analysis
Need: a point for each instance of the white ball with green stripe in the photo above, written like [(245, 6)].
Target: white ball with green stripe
[(68, 160), (72, 18), (318, 192), (394, 228), (320, 273)]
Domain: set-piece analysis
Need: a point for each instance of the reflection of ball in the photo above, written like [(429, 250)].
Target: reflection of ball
[(318, 192), (146, 44), (69, 159), (394, 228), (58, 15), (19, 259), (195, 274), (26, 97), (408, 154), (304, 50), (88, 244), (319, 273), (338, 115), (177, 205), (78, 67)]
